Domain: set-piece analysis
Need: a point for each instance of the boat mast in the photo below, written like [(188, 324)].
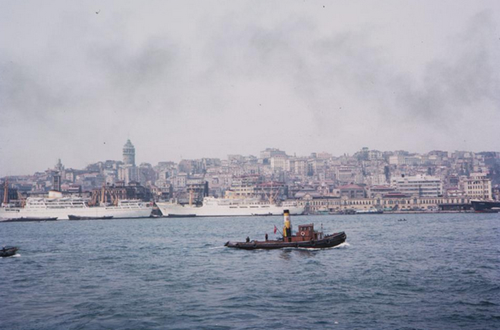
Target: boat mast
[(191, 196), (103, 194), (21, 198)]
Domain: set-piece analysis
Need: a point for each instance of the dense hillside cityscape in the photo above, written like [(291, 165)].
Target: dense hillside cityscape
[(368, 179)]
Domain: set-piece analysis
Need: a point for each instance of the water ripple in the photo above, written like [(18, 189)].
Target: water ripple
[(177, 274)]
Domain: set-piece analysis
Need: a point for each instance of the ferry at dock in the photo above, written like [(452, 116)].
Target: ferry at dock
[(224, 207)]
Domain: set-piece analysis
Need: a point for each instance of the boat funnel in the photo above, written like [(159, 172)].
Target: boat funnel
[(286, 216), (287, 225), (55, 194)]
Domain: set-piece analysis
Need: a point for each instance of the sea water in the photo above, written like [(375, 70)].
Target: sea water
[(431, 271)]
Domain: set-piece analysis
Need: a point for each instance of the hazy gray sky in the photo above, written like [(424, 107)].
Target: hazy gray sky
[(196, 79)]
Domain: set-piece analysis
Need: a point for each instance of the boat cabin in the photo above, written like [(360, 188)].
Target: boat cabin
[(307, 233)]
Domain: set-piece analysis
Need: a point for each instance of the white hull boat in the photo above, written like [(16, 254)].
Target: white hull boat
[(225, 207), (61, 208)]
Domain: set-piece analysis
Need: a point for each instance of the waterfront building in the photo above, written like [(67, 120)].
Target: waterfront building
[(418, 185), (352, 191), (315, 203), (478, 186)]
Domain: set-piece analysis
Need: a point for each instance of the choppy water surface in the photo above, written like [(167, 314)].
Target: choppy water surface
[(438, 271)]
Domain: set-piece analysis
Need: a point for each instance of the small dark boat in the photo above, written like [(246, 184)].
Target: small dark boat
[(8, 251), (78, 217)]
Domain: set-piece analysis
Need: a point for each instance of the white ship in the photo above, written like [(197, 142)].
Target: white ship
[(224, 207), (61, 207)]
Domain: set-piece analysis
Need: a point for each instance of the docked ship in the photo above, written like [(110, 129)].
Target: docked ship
[(56, 206), (224, 207), (486, 206)]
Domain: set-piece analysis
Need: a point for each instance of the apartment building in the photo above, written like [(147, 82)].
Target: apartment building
[(418, 185), (478, 186)]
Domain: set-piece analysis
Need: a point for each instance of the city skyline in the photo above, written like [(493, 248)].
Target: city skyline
[(130, 145), (192, 80), (365, 174), (249, 164)]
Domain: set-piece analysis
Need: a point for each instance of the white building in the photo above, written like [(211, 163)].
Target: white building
[(297, 166), (128, 173), (419, 185), (279, 162), (405, 160), (478, 187)]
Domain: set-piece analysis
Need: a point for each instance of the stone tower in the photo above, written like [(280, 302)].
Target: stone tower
[(129, 153)]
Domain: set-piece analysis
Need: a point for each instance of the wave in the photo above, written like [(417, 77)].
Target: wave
[(17, 255), (344, 245)]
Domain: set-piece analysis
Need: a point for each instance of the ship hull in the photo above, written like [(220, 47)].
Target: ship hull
[(177, 210), (486, 206), (63, 214), (327, 242)]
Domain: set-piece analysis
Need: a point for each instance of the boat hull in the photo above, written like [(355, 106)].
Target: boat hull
[(486, 206), (169, 209), (327, 242), (63, 213), (8, 251), (28, 219), (76, 217)]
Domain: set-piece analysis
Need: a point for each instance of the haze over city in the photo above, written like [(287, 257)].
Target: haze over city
[(206, 79)]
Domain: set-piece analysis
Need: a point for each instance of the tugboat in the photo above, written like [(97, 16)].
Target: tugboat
[(306, 237)]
